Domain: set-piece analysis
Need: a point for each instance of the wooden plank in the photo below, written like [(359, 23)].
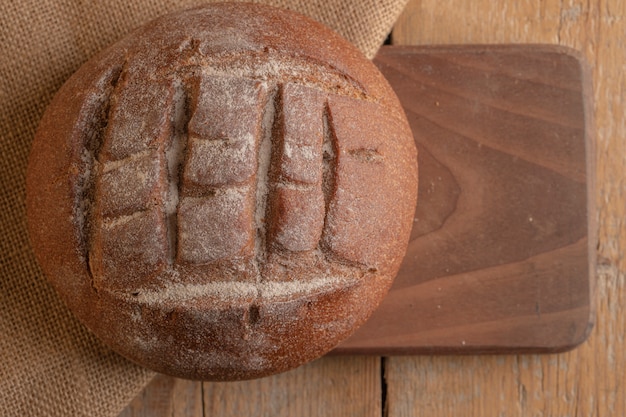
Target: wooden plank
[(348, 386), (589, 380), (339, 386), (167, 397), (499, 256)]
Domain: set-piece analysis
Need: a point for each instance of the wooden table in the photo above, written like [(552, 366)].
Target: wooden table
[(588, 381)]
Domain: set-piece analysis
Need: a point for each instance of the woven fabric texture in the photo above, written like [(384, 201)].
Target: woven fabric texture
[(50, 365)]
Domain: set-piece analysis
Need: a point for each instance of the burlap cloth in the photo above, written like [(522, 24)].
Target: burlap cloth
[(49, 364)]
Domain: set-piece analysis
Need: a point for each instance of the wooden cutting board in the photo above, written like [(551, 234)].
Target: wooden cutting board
[(502, 252)]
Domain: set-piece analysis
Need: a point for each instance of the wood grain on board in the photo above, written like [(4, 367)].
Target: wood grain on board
[(499, 258)]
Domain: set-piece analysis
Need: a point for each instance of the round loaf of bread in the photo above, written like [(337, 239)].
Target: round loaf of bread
[(225, 193)]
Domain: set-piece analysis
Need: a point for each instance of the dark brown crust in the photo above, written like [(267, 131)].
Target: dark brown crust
[(299, 256)]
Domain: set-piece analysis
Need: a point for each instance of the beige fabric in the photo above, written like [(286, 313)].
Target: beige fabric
[(49, 364)]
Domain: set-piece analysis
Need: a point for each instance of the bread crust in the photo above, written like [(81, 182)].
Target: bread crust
[(224, 194)]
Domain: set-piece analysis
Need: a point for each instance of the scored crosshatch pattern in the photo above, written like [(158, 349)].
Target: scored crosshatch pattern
[(230, 170)]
